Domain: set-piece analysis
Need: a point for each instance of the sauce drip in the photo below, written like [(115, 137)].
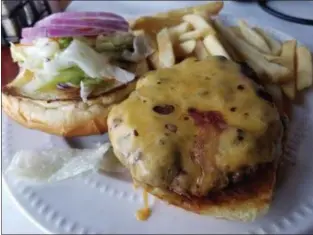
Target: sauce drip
[(144, 213)]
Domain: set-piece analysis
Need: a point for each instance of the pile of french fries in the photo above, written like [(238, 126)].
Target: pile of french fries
[(283, 67), (283, 63)]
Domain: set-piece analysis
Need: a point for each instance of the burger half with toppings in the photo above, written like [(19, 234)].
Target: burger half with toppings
[(204, 136), (73, 67)]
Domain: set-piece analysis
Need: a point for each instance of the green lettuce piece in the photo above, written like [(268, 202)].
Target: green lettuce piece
[(65, 42), (97, 82), (73, 75), (93, 81)]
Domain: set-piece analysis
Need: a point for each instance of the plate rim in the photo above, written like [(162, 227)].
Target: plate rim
[(45, 229)]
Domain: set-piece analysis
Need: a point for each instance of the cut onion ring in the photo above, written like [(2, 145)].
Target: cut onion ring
[(51, 32), (81, 15), (73, 24), (90, 23), (26, 41), (66, 86)]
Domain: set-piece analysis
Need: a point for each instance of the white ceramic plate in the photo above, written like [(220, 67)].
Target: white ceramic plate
[(95, 203)]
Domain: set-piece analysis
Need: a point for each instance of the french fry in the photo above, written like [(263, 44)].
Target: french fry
[(233, 53), (192, 35), (253, 38), (199, 23), (273, 43), (273, 58), (212, 8), (138, 32), (289, 89), (177, 30), (185, 48), (288, 59), (264, 68), (304, 68), (154, 60), (200, 51), (213, 45), (153, 24), (165, 47), (237, 31)]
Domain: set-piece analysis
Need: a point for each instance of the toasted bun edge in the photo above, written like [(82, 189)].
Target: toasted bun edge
[(67, 118), (241, 202)]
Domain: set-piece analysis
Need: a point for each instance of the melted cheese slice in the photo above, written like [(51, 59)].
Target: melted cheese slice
[(156, 154)]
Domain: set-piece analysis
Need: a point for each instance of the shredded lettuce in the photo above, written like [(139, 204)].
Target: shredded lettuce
[(71, 61), (121, 75), (87, 86), (72, 75), (17, 53), (32, 57), (85, 90), (83, 56), (64, 42), (95, 82), (94, 64)]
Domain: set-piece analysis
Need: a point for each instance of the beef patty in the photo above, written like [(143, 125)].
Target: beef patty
[(196, 128)]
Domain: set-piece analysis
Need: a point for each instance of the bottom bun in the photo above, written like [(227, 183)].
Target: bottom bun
[(64, 117), (242, 201)]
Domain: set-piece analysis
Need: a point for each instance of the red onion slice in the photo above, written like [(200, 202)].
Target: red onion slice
[(66, 85), (62, 32), (62, 86), (27, 41), (90, 23), (81, 15), (71, 24)]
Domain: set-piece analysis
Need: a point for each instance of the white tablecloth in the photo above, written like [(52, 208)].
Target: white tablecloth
[(14, 221)]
